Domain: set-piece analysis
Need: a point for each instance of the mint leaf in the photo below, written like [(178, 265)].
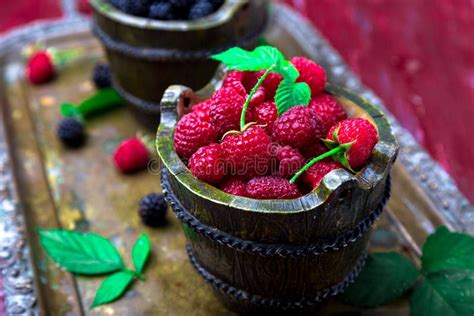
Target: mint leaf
[(262, 57), (113, 287), (70, 110), (140, 252), (445, 250), (288, 71), (290, 94), (81, 253), (385, 277), (444, 293), (102, 101)]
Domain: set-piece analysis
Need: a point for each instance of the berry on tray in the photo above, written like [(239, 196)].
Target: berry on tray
[(71, 132), (40, 68), (152, 210), (101, 76), (131, 155)]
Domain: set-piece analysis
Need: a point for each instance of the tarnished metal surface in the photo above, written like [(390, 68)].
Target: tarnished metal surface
[(81, 190)]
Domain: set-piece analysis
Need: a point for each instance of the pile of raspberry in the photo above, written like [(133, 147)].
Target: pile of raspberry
[(168, 9), (259, 161)]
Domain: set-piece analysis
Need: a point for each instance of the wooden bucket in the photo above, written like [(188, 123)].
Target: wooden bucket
[(146, 56), (278, 255)]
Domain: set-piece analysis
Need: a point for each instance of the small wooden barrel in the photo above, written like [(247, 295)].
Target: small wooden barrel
[(147, 56), (278, 255)]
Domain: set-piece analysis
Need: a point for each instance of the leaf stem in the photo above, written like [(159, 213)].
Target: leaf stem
[(315, 160), (252, 92)]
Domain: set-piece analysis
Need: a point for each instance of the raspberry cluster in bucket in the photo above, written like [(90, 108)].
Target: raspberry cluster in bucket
[(271, 131)]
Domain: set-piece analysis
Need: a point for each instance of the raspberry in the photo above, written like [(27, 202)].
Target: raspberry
[(153, 209), (316, 172), (233, 80), (84, 7), (271, 83), (313, 150), (298, 127), (249, 80), (311, 73), (225, 110), (192, 133), (290, 161), (200, 9), (362, 133), (328, 110), (234, 186), (131, 155), (40, 68), (265, 114), (71, 133), (101, 76), (271, 187), (258, 97), (206, 164), (202, 110), (248, 153)]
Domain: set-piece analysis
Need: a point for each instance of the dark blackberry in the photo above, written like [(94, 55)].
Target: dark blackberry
[(182, 4), (71, 132), (162, 11), (216, 3), (201, 9), (102, 76), (153, 209), (133, 7)]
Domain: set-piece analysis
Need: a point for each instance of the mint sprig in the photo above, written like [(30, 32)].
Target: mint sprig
[(445, 283), (289, 92), (91, 254)]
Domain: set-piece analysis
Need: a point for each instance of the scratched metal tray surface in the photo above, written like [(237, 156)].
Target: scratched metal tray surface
[(44, 185)]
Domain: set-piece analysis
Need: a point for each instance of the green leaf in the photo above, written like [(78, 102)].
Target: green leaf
[(140, 252), (288, 71), (447, 250), (262, 57), (384, 278), (81, 253), (103, 100), (290, 94), (70, 110), (113, 287), (446, 293)]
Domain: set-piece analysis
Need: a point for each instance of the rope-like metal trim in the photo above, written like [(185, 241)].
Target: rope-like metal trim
[(169, 54), (276, 303), (265, 249), (146, 106)]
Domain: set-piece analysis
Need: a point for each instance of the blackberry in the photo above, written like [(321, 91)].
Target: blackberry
[(153, 209), (162, 11), (71, 132), (200, 9), (102, 76), (133, 7), (182, 4)]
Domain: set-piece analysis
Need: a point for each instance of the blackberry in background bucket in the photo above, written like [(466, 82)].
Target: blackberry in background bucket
[(168, 9)]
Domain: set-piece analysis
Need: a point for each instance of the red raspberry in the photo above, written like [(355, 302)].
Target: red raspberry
[(364, 135), (271, 83), (248, 153), (249, 80), (131, 155), (328, 110), (233, 80), (316, 172), (207, 165), (40, 68), (202, 110), (298, 127), (192, 133), (265, 114), (271, 187), (225, 110), (234, 185), (290, 161), (84, 7), (258, 97), (311, 73), (313, 150)]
